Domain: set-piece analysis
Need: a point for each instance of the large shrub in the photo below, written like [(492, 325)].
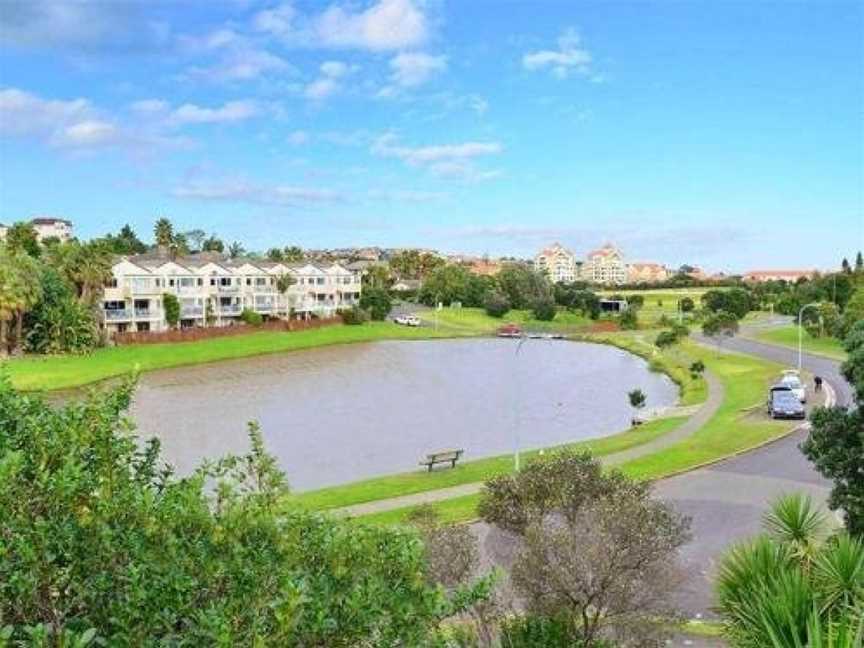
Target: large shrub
[(544, 309), (59, 323), (97, 537), (377, 302), (250, 317), (172, 309), (354, 315), (496, 304)]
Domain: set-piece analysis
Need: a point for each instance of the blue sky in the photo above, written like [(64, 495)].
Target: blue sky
[(725, 134)]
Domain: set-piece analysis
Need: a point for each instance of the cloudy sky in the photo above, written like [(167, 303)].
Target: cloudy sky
[(727, 134)]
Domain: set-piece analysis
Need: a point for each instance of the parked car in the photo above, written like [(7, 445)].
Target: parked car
[(407, 320), (792, 379), (783, 403)]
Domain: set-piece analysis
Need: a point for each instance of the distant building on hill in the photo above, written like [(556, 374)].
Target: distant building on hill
[(760, 276), (557, 262), (646, 273), (50, 227), (605, 266)]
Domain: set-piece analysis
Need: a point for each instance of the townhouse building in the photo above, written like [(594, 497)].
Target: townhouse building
[(50, 227), (214, 291), (605, 266), (557, 262)]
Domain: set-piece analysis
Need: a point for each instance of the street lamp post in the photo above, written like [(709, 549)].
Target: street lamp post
[(801, 333), (517, 392)]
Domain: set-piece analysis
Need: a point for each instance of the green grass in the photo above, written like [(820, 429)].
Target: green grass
[(735, 427), (475, 321), (787, 336), (661, 301), (36, 373), (468, 472)]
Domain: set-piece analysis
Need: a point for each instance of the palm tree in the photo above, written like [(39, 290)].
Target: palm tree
[(163, 232), (798, 585)]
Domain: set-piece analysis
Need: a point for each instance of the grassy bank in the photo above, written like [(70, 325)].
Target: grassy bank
[(787, 336), (468, 472), (61, 372), (736, 426), (475, 321)]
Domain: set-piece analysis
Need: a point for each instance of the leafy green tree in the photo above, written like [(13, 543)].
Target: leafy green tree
[(21, 237), (236, 249), (854, 311), (213, 244), (794, 585), (87, 266), (59, 323), (124, 553), (859, 263), (446, 284), (377, 276), (835, 444), (687, 305), (195, 239), (636, 398), (720, 325), (171, 306), (20, 292), (496, 304), (697, 369), (275, 254), (635, 301), (293, 254), (845, 267), (377, 302), (628, 320), (522, 285), (665, 339), (125, 242), (163, 233), (736, 301)]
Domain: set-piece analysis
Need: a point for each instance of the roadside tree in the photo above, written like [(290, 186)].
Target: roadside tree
[(735, 300), (719, 326), (377, 302)]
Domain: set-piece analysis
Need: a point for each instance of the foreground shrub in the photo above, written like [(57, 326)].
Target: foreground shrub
[(377, 302), (795, 585), (595, 549), (98, 539), (544, 309)]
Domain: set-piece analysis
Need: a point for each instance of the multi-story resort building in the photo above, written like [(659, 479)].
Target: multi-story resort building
[(557, 262), (646, 273), (46, 227), (605, 266), (214, 291)]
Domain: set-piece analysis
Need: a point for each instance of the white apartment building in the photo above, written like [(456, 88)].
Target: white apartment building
[(557, 262), (213, 291), (605, 266), (50, 227)]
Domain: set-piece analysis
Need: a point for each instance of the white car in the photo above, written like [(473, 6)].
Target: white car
[(792, 379), (407, 320)]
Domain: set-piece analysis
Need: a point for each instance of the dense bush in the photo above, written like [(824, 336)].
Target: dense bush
[(377, 302), (354, 315), (628, 320), (736, 301), (59, 323), (496, 304), (171, 305), (97, 537), (250, 317), (544, 309)]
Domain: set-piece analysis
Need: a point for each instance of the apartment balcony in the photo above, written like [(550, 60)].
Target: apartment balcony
[(191, 311), (133, 289), (233, 309), (146, 313), (264, 308), (228, 289), (115, 315)]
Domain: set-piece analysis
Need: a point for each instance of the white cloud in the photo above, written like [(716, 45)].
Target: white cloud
[(89, 134), (385, 146), (384, 25), (320, 89), (149, 106), (298, 138), (411, 69), (24, 114), (407, 195), (232, 111), (238, 58), (238, 190), (334, 69), (570, 56)]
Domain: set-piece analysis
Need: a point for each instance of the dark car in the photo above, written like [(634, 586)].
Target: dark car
[(783, 403)]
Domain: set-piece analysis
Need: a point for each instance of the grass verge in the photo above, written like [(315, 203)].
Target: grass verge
[(475, 321), (469, 472), (787, 336)]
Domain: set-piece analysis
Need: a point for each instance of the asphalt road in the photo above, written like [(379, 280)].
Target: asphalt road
[(727, 500)]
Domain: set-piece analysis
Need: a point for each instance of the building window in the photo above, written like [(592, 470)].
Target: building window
[(171, 282), (111, 283), (200, 282), (212, 281)]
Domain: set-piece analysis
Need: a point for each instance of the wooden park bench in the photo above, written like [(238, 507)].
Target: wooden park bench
[(445, 456)]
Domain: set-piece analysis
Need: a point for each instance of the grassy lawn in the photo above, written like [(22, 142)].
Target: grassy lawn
[(468, 472), (736, 426), (468, 321), (59, 372), (661, 301), (787, 336)]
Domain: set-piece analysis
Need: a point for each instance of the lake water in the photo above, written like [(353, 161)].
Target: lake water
[(343, 413)]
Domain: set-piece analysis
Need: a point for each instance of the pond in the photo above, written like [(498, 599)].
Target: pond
[(342, 413)]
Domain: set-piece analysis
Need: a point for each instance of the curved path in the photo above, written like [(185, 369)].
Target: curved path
[(690, 426)]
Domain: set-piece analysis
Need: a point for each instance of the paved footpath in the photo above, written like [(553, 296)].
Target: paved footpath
[(689, 427)]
